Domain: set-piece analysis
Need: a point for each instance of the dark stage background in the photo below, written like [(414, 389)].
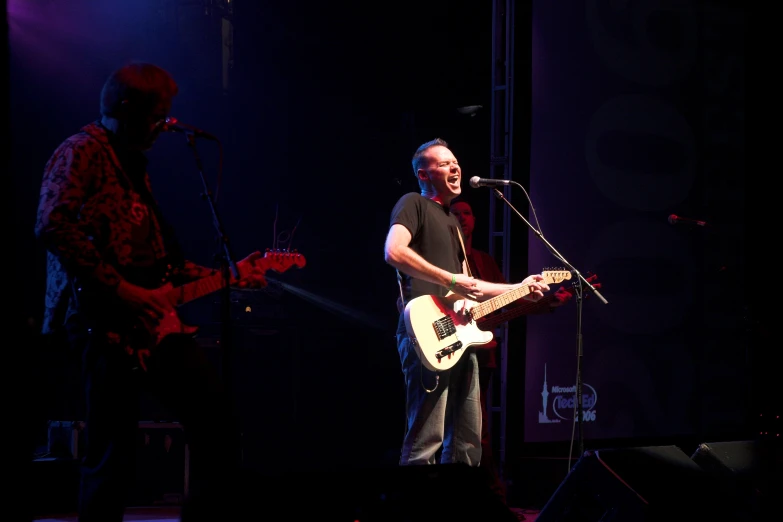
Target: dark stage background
[(653, 127), (627, 112)]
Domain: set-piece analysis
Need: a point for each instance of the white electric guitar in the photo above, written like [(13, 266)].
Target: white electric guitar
[(441, 328)]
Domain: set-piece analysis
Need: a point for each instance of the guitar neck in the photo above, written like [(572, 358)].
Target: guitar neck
[(195, 289), (279, 261), (498, 302), (525, 308), (490, 323)]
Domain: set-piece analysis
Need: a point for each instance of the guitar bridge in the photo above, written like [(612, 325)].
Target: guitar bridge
[(445, 352), (444, 327)]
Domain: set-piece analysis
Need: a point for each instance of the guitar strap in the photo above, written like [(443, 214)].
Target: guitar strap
[(464, 252)]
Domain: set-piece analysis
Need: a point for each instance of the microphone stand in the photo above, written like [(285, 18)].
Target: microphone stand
[(228, 268), (582, 282)]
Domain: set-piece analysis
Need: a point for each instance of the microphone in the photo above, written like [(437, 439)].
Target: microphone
[(172, 125), (674, 219), (477, 182)]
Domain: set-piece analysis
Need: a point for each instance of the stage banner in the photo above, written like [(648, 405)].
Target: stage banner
[(637, 116)]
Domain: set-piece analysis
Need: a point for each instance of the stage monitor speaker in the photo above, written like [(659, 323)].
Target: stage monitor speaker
[(634, 485), (748, 473)]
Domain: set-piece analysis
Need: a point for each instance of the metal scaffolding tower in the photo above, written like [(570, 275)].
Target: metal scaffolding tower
[(501, 134)]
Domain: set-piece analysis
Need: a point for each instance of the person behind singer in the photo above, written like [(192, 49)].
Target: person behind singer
[(443, 417), (485, 267), (107, 245)]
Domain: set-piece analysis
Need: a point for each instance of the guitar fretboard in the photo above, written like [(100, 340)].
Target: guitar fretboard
[(212, 283), (498, 302), (523, 308), (195, 289), (506, 298)]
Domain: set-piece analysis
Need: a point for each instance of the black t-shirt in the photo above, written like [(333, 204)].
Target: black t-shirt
[(433, 236)]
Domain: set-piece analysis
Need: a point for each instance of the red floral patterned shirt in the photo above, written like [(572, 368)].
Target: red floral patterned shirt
[(95, 225)]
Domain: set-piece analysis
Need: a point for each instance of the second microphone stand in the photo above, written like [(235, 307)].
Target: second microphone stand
[(582, 283), (228, 268)]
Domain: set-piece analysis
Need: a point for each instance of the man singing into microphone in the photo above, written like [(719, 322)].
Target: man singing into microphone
[(108, 246), (424, 244)]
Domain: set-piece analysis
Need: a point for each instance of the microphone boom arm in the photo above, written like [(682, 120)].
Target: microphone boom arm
[(552, 249)]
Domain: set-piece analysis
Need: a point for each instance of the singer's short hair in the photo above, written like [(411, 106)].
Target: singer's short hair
[(143, 85), (418, 156)]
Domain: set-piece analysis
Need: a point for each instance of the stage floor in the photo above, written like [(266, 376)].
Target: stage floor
[(169, 514)]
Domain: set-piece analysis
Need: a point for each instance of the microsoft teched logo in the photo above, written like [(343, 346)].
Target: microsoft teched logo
[(564, 403)]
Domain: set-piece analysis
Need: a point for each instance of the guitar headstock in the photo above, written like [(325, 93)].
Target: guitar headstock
[(552, 277), (281, 260)]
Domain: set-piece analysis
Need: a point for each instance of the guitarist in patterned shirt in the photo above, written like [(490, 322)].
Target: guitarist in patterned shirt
[(107, 248)]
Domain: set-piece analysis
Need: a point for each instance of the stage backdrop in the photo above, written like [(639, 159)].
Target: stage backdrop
[(637, 112)]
